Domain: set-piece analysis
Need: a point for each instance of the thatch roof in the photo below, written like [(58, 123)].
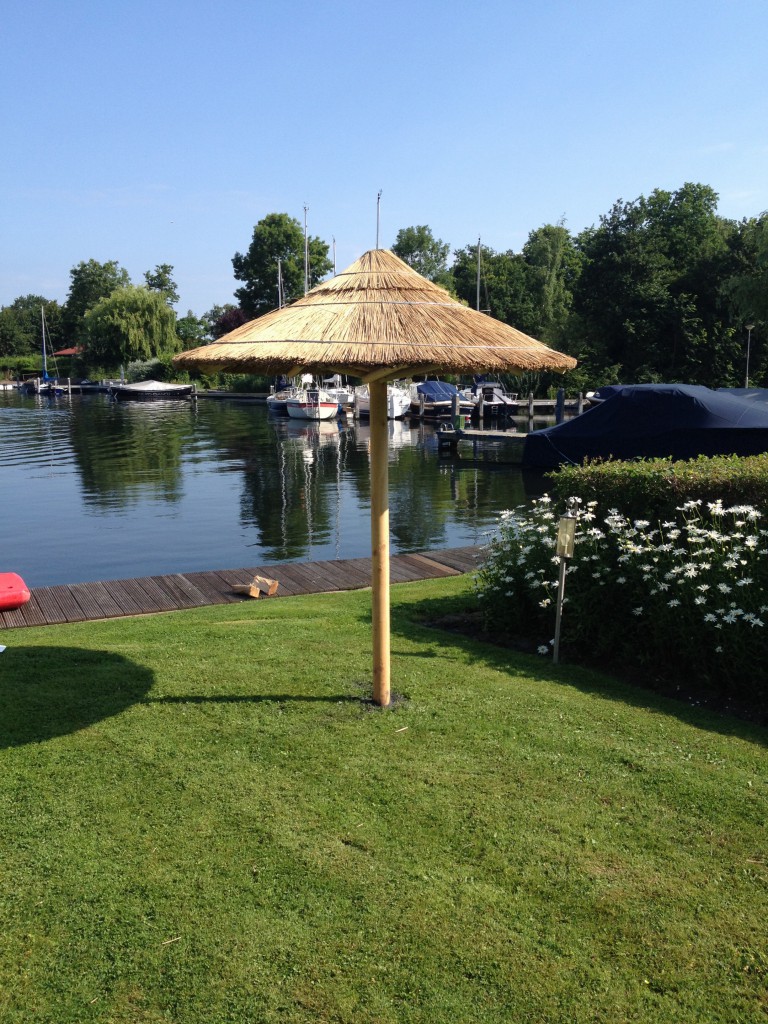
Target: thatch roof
[(377, 315)]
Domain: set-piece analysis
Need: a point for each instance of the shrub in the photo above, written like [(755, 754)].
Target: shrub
[(685, 599), (655, 488)]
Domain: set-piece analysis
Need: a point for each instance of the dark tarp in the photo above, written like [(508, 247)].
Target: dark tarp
[(753, 394), (437, 390), (651, 421)]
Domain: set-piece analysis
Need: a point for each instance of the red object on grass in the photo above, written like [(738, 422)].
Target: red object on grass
[(13, 591)]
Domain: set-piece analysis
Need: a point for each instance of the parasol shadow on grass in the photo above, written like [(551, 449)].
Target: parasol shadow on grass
[(54, 691), (378, 320)]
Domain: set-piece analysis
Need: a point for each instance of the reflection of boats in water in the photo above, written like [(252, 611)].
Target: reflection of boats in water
[(309, 430), (401, 434)]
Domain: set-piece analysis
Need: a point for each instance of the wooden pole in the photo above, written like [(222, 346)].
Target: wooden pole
[(380, 541)]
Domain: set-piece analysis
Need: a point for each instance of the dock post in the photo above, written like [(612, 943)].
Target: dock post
[(480, 405), (560, 405), (580, 406), (455, 411), (421, 406), (530, 407)]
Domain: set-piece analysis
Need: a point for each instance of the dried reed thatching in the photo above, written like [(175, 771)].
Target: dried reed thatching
[(376, 319)]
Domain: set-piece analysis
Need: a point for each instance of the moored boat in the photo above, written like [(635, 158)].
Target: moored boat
[(398, 401), (434, 399), (311, 403), (149, 391), (677, 421)]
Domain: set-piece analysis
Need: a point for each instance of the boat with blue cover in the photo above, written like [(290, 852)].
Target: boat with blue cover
[(678, 421)]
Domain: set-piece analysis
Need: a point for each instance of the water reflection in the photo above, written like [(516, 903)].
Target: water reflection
[(122, 489), (129, 450)]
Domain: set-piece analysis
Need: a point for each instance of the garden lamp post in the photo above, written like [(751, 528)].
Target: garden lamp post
[(750, 328), (566, 539)]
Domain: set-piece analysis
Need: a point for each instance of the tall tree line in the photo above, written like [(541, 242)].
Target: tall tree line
[(662, 288)]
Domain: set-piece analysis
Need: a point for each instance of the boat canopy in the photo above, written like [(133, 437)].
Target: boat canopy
[(680, 421), (437, 390)]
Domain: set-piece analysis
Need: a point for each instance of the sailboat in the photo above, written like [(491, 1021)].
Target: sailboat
[(45, 384)]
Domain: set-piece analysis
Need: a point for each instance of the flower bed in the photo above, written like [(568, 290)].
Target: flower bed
[(685, 598)]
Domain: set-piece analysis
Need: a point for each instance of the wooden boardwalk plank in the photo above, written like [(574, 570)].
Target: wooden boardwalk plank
[(81, 602), (213, 587)]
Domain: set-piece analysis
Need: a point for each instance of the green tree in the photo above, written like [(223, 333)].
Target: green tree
[(749, 285), (161, 280), (192, 330), (277, 237), (554, 266), (90, 282), (650, 295), (132, 323), (505, 291), (428, 256), (21, 330)]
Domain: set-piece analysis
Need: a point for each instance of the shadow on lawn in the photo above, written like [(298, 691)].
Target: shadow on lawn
[(705, 711), (52, 691), (255, 698)]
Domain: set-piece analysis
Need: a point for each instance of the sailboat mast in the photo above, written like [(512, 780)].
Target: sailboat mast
[(477, 307), (42, 326), (306, 252), (378, 211)]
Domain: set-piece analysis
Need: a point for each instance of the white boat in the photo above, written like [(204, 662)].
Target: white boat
[(336, 388), (150, 390), (311, 402), (398, 401), (277, 402)]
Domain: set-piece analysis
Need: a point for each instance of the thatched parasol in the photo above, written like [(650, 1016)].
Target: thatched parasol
[(378, 320)]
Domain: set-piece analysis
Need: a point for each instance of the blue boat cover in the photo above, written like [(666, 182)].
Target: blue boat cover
[(680, 421), (436, 390), (754, 394)]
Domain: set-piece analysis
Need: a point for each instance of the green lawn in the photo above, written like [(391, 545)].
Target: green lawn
[(204, 820)]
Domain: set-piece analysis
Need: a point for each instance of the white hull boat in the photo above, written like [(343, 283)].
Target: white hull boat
[(312, 404), (398, 401)]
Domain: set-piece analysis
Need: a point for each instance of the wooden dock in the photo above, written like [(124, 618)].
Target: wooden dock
[(506, 444), (87, 602)]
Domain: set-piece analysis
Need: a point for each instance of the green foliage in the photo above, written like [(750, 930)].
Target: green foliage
[(554, 268), (277, 237), (650, 298), (15, 367), (21, 326), (161, 280), (203, 821), (91, 282), (683, 598), (192, 330), (504, 285), (655, 488), (428, 256), (132, 323)]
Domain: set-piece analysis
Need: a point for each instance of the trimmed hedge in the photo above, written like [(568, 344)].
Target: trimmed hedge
[(654, 488)]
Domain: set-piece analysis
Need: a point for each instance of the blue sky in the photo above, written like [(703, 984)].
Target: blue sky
[(163, 131)]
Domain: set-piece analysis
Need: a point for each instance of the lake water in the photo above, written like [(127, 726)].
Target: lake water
[(94, 489)]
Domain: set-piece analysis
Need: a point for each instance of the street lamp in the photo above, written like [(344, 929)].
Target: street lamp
[(566, 538), (750, 328)]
